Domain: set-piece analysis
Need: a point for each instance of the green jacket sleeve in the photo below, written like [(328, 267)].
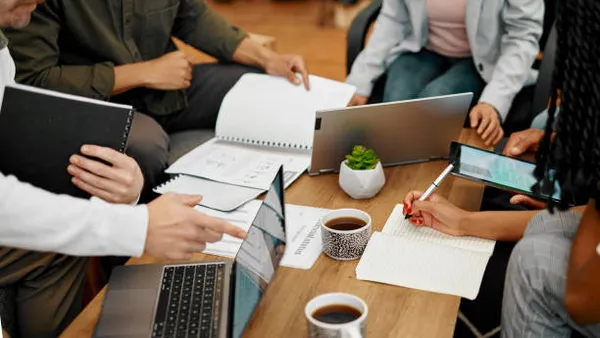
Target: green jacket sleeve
[(36, 54), (199, 26)]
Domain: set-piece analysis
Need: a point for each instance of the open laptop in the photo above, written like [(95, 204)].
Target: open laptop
[(203, 299), (399, 132)]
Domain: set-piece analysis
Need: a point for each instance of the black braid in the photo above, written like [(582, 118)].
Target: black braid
[(574, 155)]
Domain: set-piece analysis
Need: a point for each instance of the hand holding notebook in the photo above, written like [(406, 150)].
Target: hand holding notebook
[(41, 129)]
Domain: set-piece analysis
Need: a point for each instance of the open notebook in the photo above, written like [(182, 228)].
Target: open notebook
[(424, 258), (264, 122)]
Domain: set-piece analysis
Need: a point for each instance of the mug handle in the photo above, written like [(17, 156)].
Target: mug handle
[(351, 332)]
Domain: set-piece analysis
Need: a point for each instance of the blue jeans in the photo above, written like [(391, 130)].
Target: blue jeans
[(427, 74)]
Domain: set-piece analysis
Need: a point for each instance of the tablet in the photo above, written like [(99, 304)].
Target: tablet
[(503, 172)]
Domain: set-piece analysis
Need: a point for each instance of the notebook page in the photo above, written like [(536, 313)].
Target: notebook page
[(215, 195), (272, 111), (396, 225), (422, 265), (240, 164)]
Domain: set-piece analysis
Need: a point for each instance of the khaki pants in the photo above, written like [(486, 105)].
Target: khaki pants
[(49, 288)]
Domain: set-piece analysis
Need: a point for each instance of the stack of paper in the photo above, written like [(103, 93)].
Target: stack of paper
[(424, 258), (302, 230)]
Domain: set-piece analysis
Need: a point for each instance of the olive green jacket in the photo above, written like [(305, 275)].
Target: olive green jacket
[(72, 45)]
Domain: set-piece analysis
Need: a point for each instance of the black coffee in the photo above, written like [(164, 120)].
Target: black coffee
[(345, 223), (336, 314)]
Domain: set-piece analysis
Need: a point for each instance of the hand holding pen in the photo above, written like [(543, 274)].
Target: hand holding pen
[(433, 186), (436, 212)]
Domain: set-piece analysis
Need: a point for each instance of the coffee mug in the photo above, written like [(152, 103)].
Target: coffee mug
[(345, 233), (336, 315)]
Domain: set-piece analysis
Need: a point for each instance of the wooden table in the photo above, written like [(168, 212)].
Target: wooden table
[(393, 311)]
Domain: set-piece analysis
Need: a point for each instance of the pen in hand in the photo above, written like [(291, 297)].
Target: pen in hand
[(434, 185)]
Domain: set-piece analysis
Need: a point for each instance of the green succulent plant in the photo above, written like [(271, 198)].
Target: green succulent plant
[(362, 158)]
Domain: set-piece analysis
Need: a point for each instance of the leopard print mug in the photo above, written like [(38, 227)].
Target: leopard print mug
[(345, 245)]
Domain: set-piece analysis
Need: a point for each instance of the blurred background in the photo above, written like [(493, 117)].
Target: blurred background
[(315, 29)]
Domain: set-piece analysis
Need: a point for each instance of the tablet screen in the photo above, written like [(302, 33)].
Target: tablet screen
[(499, 170)]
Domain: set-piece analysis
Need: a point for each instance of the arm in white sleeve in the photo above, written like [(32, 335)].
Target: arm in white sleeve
[(524, 24), (388, 32), (35, 219)]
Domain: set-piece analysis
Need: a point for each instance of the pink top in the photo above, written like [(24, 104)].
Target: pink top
[(447, 31)]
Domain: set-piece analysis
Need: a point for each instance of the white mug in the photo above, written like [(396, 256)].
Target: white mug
[(354, 329)]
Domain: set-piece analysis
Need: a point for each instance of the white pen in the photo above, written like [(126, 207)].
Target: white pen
[(434, 185)]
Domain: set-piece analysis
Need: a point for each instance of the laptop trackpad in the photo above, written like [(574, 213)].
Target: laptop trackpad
[(129, 313)]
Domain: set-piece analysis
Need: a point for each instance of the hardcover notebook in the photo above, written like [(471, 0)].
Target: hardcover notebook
[(41, 129), (264, 122)]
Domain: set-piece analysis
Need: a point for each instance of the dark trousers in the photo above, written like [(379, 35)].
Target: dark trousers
[(149, 137), (49, 289)]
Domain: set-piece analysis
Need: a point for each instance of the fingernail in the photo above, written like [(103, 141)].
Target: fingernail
[(73, 159), (413, 220), (85, 148), (409, 211), (514, 150), (420, 222)]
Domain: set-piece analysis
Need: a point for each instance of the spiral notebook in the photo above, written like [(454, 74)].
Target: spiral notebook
[(264, 122), (40, 129)]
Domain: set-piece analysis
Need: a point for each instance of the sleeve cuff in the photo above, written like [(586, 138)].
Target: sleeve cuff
[(103, 80), (501, 102), (363, 87), (229, 45)]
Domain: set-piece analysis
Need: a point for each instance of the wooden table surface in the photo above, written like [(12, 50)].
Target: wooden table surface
[(393, 311)]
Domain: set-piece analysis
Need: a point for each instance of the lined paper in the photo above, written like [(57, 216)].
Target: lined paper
[(424, 258)]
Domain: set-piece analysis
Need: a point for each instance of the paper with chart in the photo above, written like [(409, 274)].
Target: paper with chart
[(425, 259), (303, 233), (215, 195), (240, 164), (241, 217)]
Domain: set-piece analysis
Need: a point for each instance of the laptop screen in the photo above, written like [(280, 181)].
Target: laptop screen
[(259, 256)]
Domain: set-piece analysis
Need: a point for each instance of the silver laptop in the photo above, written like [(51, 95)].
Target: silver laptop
[(399, 132), (204, 299)]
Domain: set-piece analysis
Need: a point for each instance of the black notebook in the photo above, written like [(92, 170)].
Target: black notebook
[(41, 129)]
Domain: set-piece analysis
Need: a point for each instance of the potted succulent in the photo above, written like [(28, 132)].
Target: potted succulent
[(361, 173)]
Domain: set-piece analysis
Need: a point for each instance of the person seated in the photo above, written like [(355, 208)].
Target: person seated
[(41, 229), (440, 47), (554, 271), (122, 52)]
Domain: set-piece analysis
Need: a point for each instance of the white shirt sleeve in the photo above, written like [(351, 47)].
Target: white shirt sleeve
[(35, 219)]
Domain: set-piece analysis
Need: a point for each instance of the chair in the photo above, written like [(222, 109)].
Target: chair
[(523, 109)]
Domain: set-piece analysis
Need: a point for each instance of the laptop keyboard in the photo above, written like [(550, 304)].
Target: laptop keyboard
[(189, 303)]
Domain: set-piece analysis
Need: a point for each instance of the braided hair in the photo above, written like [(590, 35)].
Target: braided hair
[(573, 158)]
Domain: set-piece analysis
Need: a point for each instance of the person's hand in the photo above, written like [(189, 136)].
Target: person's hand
[(120, 183), (176, 230), (171, 71), (435, 212), (287, 65), (485, 118), (528, 202), (358, 100), (525, 141)]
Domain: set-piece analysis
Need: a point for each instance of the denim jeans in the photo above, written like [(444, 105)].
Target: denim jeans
[(427, 74)]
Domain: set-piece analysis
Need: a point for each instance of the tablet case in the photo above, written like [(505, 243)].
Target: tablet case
[(41, 129)]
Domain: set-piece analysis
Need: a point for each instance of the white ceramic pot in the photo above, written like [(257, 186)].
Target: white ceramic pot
[(361, 184)]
